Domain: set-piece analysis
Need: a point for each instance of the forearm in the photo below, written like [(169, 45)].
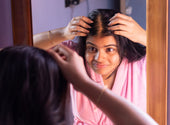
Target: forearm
[(116, 108), (46, 40)]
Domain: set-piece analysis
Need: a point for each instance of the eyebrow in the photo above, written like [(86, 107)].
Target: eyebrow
[(90, 43), (104, 46), (111, 45)]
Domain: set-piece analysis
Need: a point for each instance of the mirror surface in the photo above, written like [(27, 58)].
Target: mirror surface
[(48, 15)]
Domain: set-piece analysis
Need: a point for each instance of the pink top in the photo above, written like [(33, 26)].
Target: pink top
[(130, 83)]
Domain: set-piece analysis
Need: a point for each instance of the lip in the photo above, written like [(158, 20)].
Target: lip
[(99, 66)]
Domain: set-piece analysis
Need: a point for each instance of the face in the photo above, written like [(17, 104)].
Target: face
[(102, 54)]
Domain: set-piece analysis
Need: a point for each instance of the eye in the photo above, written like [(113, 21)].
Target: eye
[(91, 49), (110, 49)]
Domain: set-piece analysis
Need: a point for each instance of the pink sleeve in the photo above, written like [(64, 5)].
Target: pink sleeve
[(70, 44)]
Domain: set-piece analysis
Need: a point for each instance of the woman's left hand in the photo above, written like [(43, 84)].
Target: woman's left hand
[(126, 26)]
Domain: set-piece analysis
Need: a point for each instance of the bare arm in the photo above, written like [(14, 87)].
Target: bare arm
[(46, 40), (78, 26), (119, 110)]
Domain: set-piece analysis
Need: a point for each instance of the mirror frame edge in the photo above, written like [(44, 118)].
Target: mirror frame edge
[(22, 22), (157, 59)]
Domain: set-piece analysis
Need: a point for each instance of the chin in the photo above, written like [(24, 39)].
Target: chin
[(99, 72)]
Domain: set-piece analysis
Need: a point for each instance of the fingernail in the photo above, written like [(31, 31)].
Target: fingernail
[(109, 23), (56, 48), (91, 21), (111, 18)]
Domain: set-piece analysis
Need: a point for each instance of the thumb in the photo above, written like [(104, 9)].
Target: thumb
[(57, 57)]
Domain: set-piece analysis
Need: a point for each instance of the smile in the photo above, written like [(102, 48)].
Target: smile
[(99, 66)]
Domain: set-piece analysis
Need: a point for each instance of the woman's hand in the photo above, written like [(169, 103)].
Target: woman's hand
[(126, 26), (71, 64), (78, 26)]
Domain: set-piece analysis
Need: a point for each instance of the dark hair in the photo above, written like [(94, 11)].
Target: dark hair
[(126, 48), (32, 88)]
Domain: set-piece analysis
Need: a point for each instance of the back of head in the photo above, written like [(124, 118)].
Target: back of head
[(32, 88), (101, 18)]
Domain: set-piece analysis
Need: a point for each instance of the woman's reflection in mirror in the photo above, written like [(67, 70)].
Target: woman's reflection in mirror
[(113, 47)]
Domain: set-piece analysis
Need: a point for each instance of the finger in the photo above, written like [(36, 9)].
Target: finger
[(118, 21), (84, 24), (56, 49), (122, 33), (79, 34), (57, 57), (123, 16), (82, 21), (118, 27), (78, 29), (62, 53), (86, 19), (65, 50)]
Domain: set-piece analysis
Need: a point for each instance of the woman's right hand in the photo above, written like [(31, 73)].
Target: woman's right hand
[(71, 64), (78, 26)]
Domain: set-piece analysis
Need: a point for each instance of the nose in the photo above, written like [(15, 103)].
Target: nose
[(99, 56)]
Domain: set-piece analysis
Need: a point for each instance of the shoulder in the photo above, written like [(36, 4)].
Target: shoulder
[(141, 61), (137, 66)]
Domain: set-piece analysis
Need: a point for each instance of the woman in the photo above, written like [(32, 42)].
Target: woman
[(32, 88), (118, 62)]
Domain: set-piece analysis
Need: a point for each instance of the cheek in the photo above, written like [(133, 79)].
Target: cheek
[(88, 57), (115, 59)]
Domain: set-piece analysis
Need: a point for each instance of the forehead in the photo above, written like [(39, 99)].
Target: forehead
[(101, 40)]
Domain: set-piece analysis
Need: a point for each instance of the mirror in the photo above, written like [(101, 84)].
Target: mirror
[(157, 59)]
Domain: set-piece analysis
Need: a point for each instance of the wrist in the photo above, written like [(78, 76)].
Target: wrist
[(63, 33), (143, 40), (82, 84)]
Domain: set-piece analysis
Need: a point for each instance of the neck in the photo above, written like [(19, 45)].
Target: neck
[(109, 81)]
